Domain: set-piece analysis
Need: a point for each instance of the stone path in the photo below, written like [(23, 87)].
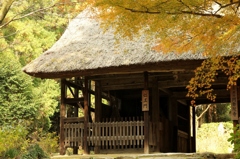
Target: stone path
[(149, 156)]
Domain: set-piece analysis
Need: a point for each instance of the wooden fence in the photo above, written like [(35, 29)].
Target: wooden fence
[(106, 135)]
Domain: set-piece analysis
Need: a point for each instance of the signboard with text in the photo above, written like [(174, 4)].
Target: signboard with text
[(145, 100), (234, 103)]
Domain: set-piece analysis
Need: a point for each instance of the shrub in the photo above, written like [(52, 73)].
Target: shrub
[(235, 139), (9, 136), (34, 152), (49, 143), (17, 142)]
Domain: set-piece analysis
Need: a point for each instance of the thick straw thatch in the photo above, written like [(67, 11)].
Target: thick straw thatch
[(85, 47)]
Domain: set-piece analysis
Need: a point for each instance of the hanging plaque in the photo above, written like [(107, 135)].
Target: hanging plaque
[(145, 100), (234, 103)]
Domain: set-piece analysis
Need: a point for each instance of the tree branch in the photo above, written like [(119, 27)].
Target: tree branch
[(172, 13), (6, 5), (198, 13), (26, 15), (203, 112)]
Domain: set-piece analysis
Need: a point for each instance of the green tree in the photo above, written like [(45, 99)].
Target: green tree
[(16, 98), (28, 29)]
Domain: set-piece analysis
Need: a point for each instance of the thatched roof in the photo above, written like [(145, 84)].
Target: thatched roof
[(85, 49)]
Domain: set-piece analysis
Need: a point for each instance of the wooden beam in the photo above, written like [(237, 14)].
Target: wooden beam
[(146, 119), (184, 83), (62, 116), (165, 66), (74, 85), (74, 100), (86, 118)]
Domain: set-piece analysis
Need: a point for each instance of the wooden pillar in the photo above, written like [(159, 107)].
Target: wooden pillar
[(188, 128), (98, 108), (193, 129), (156, 113), (146, 119), (86, 117), (173, 115), (76, 95), (62, 116)]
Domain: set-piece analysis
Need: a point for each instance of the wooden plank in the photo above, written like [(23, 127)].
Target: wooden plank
[(106, 135), (127, 133), (131, 132), (89, 133), (134, 133), (73, 120)]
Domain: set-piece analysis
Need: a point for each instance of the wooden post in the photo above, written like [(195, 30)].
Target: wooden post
[(76, 95), (156, 112), (86, 117), (98, 108), (146, 119), (194, 129), (188, 128), (62, 116), (173, 114)]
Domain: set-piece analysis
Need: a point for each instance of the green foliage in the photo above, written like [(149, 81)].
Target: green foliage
[(22, 41), (48, 143), (218, 112), (12, 141), (16, 98), (210, 139), (34, 152), (235, 140), (223, 111), (17, 142)]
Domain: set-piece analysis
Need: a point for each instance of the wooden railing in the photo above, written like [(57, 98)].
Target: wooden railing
[(73, 134), (106, 135)]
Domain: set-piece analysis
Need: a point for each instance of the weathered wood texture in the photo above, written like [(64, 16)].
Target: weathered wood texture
[(156, 114), (86, 114), (62, 116), (108, 135), (182, 143), (146, 119)]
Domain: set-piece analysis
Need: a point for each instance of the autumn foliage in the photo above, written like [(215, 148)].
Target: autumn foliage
[(210, 28)]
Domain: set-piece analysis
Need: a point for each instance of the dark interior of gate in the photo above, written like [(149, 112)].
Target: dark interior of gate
[(116, 118)]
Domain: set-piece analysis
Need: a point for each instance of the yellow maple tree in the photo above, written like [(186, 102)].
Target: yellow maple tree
[(209, 27)]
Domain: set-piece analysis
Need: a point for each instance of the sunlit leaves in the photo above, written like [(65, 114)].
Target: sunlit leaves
[(207, 73), (210, 28), (182, 25)]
